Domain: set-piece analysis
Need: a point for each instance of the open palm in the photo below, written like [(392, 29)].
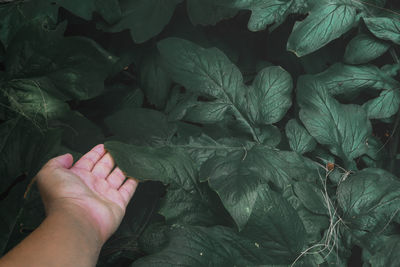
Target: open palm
[(91, 185)]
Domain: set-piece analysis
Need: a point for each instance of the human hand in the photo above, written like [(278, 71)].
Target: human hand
[(90, 189)]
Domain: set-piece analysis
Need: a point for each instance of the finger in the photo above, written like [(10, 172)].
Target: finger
[(128, 189), (116, 178), (63, 161), (103, 167), (88, 160)]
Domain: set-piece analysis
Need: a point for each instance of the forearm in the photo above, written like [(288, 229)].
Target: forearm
[(63, 239)]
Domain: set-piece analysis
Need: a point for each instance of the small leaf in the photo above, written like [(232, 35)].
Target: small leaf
[(364, 48), (269, 97), (300, 140), (312, 197), (385, 105), (384, 28)]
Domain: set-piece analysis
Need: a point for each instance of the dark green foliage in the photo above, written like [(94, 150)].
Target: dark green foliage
[(265, 133)]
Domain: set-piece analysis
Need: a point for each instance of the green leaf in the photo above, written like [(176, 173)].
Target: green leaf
[(68, 67), (269, 97), (186, 201), (144, 18), (311, 196), (385, 105), (236, 177), (349, 81), (210, 73), (16, 14), (265, 13), (388, 254), (326, 22), (132, 125), (108, 9), (207, 13), (24, 149), (364, 48), (79, 133), (277, 227), (10, 208), (369, 199), (32, 100), (201, 246), (344, 129), (154, 80), (384, 28), (300, 140)]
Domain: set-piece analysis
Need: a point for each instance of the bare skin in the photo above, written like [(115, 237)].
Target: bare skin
[(84, 204)]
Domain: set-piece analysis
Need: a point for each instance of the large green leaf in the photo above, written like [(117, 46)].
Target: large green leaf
[(349, 81), (369, 199), (344, 129), (208, 13), (275, 225), (32, 100), (16, 14), (212, 246), (144, 18), (187, 201), (237, 177), (300, 140), (326, 22), (69, 67), (385, 105), (108, 9), (388, 255), (384, 28), (154, 80), (132, 125), (10, 208), (201, 246), (364, 48), (210, 73), (265, 13), (45, 69), (24, 149)]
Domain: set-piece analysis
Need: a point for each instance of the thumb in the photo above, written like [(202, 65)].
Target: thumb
[(63, 161)]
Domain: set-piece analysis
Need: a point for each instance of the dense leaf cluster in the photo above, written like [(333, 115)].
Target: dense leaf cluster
[(266, 131)]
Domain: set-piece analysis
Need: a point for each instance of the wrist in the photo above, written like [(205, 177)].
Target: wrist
[(77, 220)]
